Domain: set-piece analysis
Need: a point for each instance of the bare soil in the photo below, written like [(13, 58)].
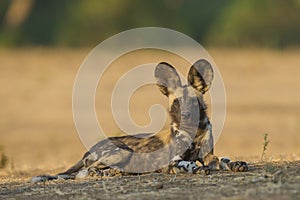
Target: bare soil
[(263, 181)]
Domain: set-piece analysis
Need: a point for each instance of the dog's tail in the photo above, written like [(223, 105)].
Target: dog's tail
[(69, 174)]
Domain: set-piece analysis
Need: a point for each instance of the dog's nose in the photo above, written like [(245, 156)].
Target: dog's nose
[(185, 114)]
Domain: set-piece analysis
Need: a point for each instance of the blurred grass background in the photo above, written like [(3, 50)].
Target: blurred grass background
[(268, 23), (255, 45)]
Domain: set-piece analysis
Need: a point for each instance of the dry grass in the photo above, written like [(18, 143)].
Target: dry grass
[(37, 129)]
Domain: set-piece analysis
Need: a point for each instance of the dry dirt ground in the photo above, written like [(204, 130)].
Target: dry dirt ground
[(38, 134), (263, 181)]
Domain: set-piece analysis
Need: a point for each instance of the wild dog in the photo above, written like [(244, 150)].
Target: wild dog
[(189, 139)]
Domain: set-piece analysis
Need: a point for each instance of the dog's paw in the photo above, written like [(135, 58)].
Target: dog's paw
[(202, 170), (187, 166), (94, 171), (238, 166)]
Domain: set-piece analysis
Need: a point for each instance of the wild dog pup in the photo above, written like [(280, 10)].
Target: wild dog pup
[(189, 139)]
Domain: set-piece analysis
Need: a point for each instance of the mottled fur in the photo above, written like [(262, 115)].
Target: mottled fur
[(189, 139)]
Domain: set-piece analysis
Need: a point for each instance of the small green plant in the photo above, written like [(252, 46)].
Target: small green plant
[(3, 158), (265, 145), (270, 168)]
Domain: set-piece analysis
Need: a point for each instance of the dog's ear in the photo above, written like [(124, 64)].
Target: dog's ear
[(167, 78), (201, 75)]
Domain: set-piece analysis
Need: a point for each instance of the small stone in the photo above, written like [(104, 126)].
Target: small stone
[(239, 179), (159, 186)]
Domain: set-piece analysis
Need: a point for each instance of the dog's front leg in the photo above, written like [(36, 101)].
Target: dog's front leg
[(182, 166)]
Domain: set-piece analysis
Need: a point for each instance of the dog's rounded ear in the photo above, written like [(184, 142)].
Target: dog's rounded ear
[(167, 78), (201, 75)]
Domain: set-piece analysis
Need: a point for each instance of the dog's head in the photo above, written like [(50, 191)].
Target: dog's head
[(186, 104)]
